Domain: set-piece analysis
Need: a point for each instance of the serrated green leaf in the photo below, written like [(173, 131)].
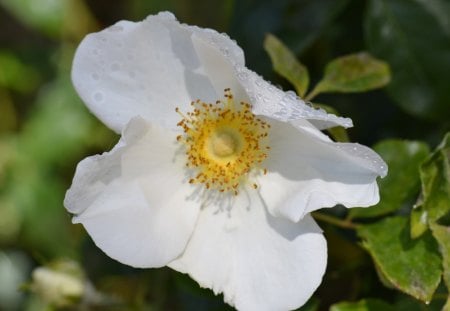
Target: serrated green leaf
[(402, 183), (363, 305), (414, 38), (286, 64), (435, 178), (353, 73), (442, 235), (412, 266)]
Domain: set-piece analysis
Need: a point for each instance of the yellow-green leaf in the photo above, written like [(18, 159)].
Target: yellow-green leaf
[(286, 64), (358, 72)]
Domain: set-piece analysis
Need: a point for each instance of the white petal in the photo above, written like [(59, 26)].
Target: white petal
[(147, 68), (257, 261), (307, 171), (133, 200), (272, 102), (225, 70)]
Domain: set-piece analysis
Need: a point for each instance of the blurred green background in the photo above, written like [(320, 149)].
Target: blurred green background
[(45, 130)]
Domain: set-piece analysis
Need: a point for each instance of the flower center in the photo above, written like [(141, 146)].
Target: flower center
[(224, 142)]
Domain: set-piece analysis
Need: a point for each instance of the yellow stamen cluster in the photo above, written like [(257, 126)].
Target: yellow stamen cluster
[(224, 142)]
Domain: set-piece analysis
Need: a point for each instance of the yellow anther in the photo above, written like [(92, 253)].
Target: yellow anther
[(224, 142)]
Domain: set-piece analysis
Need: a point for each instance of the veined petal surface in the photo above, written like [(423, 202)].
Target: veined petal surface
[(257, 261), (307, 171), (133, 199)]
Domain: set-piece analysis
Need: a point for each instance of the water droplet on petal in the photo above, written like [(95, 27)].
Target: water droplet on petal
[(98, 97), (115, 67), (225, 51), (242, 75), (95, 76)]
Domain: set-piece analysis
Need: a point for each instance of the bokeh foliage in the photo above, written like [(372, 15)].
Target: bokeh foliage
[(339, 53)]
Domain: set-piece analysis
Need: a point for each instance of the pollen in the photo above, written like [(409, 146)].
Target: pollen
[(225, 143)]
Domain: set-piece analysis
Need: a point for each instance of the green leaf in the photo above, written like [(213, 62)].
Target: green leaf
[(353, 73), (44, 15), (286, 64), (419, 221), (406, 303), (61, 127), (412, 266), (402, 183), (442, 235), (13, 71), (53, 18), (414, 38), (435, 177), (363, 305)]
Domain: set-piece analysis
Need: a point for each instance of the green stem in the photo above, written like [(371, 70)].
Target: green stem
[(313, 93), (334, 221)]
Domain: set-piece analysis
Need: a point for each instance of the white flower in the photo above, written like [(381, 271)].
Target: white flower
[(222, 191)]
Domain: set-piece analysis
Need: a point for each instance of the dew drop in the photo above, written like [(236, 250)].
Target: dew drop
[(98, 97), (115, 67), (242, 75), (95, 76), (225, 51)]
